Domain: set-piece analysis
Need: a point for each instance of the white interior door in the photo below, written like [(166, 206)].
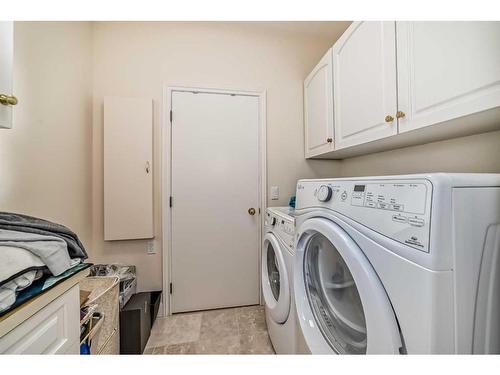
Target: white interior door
[(215, 181)]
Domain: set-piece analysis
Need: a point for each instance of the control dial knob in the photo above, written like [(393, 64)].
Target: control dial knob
[(324, 193), (273, 221)]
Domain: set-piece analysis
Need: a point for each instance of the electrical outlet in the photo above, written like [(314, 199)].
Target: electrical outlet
[(151, 247), (275, 193)]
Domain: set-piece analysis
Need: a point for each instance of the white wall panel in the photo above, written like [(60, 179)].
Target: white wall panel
[(128, 170)]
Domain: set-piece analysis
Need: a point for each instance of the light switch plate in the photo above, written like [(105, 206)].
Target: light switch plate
[(275, 193), (151, 247)]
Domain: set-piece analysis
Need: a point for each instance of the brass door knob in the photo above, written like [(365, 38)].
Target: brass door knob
[(389, 118), (8, 99), (251, 211), (329, 140), (400, 114)]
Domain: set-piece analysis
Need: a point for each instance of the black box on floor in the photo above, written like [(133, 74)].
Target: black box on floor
[(135, 324), (136, 320), (155, 305)]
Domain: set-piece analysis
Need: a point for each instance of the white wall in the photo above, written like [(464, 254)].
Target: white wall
[(45, 163), (46, 160), (137, 59), (51, 161), (476, 153)]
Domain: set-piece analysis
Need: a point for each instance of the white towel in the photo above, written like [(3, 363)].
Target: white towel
[(16, 261), (8, 291), (53, 251)]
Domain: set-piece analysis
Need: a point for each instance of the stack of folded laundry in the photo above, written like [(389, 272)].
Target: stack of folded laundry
[(32, 248)]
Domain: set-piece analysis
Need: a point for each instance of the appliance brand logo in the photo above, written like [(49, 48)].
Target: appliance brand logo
[(414, 241)]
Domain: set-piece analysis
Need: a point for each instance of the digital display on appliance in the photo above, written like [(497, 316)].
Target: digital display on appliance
[(359, 188)]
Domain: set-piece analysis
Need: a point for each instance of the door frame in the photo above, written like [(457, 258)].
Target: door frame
[(166, 178)]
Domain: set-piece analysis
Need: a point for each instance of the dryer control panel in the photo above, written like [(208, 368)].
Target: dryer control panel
[(399, 209)]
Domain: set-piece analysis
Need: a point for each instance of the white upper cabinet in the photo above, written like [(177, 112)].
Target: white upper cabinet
[(446, 70), (6, 65), (364, 83), (397, 84), (318, 108)]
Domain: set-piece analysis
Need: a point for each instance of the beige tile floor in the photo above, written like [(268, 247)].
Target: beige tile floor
[(240, 330)]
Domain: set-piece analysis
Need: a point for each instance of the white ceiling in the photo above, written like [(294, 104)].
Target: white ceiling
[(319, 29)]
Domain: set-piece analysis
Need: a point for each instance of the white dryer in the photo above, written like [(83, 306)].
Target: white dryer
[(277, 278), (399, 264)]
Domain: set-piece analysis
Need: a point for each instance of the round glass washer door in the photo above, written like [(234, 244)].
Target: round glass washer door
[(333, 297), (275, 282), (342, 306)]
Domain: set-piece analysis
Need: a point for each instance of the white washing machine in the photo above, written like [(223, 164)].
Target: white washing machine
[(399, 264), (277, 278)]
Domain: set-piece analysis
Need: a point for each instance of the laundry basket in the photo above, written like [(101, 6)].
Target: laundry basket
[(104, 292)]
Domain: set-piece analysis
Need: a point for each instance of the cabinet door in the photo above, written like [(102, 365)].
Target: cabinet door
[(55, 329), (128, 173), (6, 63), (318, 108), (364, 83), (446, 70)]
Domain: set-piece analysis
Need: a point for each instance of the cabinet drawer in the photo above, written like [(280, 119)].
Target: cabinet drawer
[(52, 330)]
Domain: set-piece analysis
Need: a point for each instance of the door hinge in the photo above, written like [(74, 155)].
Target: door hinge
[(170, 201), (170, 116), (171, 288)]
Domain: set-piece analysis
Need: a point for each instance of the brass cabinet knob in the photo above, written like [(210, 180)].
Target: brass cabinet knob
[(8, 99), (251, 211), (400, 114), (389, 118), (329, 140)]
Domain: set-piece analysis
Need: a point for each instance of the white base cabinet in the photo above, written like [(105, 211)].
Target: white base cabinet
[(55, 329)]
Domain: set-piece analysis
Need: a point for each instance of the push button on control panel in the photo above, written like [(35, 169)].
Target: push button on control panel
[(416, 222), (399, 218), (397, 207)]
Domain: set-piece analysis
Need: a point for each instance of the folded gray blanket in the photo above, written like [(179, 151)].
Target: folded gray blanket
[(29, 224)]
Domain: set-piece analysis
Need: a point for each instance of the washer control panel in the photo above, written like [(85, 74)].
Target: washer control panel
[(324, 193), (281, 224), (407, 198), (399, 209)]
